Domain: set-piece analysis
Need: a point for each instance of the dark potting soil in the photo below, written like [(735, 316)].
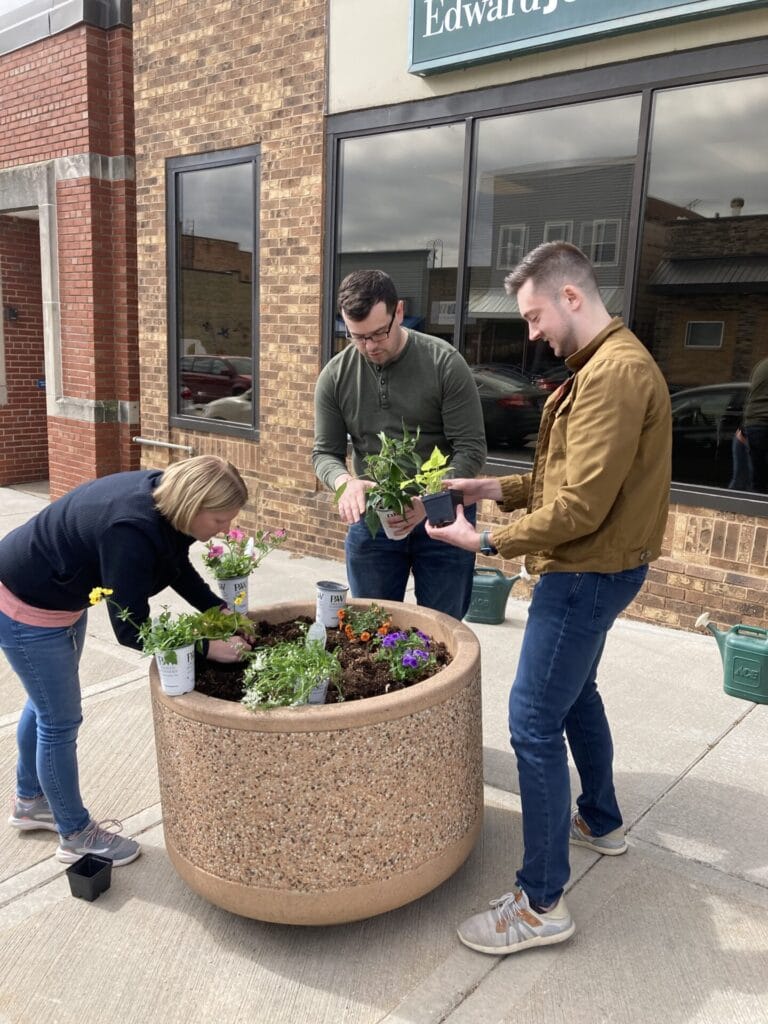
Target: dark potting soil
[(361, 675)]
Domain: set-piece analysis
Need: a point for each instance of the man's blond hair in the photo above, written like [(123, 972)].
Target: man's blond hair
[(204, 482)]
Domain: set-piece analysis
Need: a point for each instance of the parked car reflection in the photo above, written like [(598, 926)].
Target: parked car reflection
[(511, 407), (704, 421), (210, 377), (236, 409)]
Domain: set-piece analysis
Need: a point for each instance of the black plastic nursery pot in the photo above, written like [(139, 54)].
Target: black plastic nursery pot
[(90, 876), (441, 507)]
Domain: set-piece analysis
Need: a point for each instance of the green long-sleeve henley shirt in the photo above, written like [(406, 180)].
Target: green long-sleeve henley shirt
[(428, 385)]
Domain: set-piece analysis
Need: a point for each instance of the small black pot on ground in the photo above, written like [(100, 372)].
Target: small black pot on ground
[(441, 507), (90, 876)]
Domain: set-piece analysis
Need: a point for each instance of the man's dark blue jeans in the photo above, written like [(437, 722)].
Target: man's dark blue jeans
[(379, 568), (555, 692)]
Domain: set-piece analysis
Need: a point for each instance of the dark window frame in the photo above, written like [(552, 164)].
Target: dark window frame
[(643, 77), (174, 167)]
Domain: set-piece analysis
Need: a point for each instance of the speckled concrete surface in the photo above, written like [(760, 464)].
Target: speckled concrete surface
[(345, 801), (675, 932)]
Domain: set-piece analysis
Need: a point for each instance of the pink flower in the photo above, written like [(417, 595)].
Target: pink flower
[(236, 534), (215, 551), (279, 533)]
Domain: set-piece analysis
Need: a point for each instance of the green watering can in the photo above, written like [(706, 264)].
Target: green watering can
[(490, 590), (744, 650)]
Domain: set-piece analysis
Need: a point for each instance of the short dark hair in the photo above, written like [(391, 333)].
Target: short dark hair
[(550, 265), (361, 290)]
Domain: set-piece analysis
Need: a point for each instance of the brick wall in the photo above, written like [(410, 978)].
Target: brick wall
[(214, 77), (24, 451), (68, 95)]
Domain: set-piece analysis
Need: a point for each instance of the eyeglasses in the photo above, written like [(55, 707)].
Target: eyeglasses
[(379, 335)]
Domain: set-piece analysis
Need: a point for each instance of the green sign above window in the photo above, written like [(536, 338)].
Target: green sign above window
[(454, 33)]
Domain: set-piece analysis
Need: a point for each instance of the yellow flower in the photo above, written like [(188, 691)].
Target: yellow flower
[(240, 598), (98, 593)]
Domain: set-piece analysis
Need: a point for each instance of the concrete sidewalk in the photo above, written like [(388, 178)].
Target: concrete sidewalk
[(676, 931)]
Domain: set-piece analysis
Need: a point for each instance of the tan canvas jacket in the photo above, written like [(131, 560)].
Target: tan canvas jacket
[(598, 493)]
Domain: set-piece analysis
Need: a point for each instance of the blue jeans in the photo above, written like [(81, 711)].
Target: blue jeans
[(555, 692), (47, 661), (378, 567)]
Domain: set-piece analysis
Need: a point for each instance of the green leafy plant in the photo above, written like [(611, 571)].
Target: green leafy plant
[(237, 555), (168, 631), (389, 469), (286, 674), (429, 478)]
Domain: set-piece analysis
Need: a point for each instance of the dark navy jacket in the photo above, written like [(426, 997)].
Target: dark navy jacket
[(106, 533)]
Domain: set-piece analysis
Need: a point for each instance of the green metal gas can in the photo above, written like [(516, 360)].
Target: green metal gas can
[(490, 590)]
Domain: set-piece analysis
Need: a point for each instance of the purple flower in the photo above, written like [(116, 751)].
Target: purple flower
[(392, 639), (423, 637), (409, 661)]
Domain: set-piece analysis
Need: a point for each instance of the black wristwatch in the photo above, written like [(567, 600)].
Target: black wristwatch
[(486, 548)]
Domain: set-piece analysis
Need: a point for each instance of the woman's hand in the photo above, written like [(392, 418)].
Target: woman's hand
[(460, 534), (475, 488), (228, 650)]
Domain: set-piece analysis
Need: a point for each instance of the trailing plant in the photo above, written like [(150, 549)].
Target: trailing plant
[(286, 674)]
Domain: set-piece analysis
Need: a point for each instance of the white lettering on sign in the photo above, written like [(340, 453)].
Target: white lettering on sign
[(454, 15)]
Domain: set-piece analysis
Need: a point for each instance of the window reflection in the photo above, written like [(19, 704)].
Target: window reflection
[(400, 212), (702, 296), (563, 174), (215, 217)]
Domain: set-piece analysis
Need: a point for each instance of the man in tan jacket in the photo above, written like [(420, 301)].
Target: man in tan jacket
[(595, 509)]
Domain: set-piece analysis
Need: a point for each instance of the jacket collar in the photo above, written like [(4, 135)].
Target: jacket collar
[(580, 358)]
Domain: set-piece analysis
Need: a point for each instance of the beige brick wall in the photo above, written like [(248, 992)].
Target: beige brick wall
[(217, 76)]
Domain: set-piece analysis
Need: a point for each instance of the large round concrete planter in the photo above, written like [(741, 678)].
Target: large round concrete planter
[(326, 814)]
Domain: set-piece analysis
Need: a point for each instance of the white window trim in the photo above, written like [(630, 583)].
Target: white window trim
[(565, 236), (591, 246), (502, 263)]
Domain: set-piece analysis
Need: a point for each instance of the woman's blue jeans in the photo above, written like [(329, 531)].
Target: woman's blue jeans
[(378, 567), (555, 694), (47, 662)]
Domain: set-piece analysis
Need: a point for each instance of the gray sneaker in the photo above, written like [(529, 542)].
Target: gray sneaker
[(27, 815), (98, 840), (610, 845), (512, 924)]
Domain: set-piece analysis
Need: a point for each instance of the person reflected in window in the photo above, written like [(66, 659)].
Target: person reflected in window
[(741, 478), (756, 425), (392, 378)]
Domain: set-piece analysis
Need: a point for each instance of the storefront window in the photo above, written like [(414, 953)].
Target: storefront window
[(691, 276), (212, 211), (702, 292), (400, 202), (561, 174)]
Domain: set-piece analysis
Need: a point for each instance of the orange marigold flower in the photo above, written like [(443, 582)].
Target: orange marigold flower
[(365, 635), (383, 630), (349, 632), (341, 614)]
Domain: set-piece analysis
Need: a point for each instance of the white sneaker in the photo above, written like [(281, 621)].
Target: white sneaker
[(511, 925)]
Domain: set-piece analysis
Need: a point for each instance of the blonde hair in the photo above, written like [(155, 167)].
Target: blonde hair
[(205, 482)]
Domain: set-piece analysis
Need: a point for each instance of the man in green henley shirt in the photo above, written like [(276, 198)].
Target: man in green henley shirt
[(387, 378)]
